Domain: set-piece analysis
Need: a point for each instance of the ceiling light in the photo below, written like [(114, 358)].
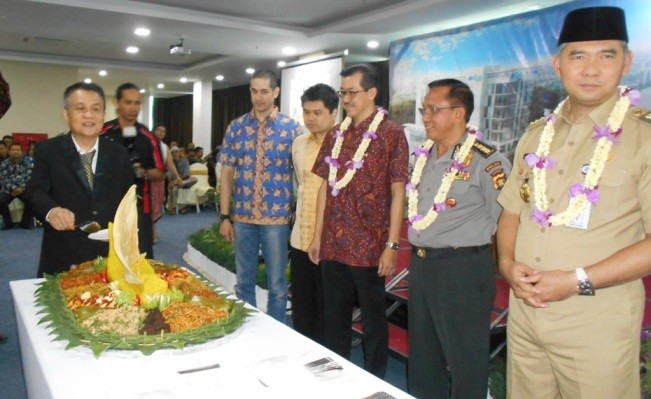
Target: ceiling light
[(372, 44), (346, 52), (142, 90), (534, 7), (219, 77), (289, 50), (142, 32), (183, 79), (160, 85), (88, 80), (250, 71), (281, 64), (102, 73), (132, 49)]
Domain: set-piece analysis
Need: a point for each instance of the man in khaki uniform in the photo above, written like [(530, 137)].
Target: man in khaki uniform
[(574, 237)]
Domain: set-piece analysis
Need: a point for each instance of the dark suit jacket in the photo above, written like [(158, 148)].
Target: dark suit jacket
[(58, 179)]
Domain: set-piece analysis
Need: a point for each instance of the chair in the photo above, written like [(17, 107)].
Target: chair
[(397, 295), (199, 193), (499, 314), (16, 209)]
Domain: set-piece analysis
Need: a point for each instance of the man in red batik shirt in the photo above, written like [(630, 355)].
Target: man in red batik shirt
[(359, 213)]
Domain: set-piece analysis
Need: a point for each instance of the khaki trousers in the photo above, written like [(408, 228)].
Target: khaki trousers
[(583, 347)]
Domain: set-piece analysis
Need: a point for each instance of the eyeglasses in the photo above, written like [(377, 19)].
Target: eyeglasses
[(433, 110), (351, 93)]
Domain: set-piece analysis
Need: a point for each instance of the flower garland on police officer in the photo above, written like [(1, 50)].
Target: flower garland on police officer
[(418, 221)]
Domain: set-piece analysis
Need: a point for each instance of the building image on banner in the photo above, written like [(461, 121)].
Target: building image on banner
[(507, 64)]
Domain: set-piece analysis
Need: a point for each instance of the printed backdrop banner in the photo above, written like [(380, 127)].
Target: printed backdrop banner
[(507, 64)]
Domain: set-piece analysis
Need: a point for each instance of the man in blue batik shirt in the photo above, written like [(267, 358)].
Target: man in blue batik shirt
[(15, 171), (256, 158)]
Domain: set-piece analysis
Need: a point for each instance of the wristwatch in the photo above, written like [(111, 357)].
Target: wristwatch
[(585, 285), (224, 217), (393, 245)]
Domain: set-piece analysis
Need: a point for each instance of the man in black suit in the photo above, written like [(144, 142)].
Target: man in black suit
[(64, 193)]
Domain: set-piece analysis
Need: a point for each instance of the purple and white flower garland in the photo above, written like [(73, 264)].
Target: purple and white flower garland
[(581, 193)]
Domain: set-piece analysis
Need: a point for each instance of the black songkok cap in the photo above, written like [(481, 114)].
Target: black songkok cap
[(592, 24)]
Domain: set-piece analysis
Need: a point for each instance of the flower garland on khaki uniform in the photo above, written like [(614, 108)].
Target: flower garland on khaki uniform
[(358, 159), (418, 221), (580, 193)]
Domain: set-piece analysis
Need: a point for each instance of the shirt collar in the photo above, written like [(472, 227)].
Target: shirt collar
[(80, 150), (364, 125), (599, 115), (271, 117)]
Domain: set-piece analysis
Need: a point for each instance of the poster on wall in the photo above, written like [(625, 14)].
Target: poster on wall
[(507, 64)]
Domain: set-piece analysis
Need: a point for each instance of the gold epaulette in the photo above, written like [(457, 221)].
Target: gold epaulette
[(484, 149), (536, 123)]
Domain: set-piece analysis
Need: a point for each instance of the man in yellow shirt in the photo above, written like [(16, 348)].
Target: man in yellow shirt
[(320, 103)]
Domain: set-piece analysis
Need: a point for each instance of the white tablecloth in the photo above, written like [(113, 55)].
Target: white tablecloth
[(263, 359)]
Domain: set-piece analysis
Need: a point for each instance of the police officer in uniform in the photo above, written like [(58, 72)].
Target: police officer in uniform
[(452, 275), (574, 237)]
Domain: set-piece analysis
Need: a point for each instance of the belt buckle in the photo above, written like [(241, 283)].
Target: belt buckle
[(421, 252)]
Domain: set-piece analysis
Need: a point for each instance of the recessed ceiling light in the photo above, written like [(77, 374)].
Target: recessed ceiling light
[(281, 64), (142, 32), (88, 80), (346, 52), (132, 49), (102, 73), (289, 50), (160, 85), (142, 90), (372, 44), (534, 7), (219, 77), (183, 79), (250, 71)]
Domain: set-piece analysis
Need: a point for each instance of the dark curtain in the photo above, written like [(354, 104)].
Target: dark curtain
[(382, 68), (176, 115), (228, 104)]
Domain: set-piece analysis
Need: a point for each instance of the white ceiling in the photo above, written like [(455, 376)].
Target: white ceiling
[(225, 36)]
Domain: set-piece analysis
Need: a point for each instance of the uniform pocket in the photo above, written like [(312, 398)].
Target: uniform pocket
[(610, 186)]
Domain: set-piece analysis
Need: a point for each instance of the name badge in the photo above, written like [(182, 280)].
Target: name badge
[(583, 218)]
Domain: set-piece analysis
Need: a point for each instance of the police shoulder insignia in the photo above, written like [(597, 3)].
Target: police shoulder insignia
[(492, 166), (535, 123), (499, 178), (484, 149)]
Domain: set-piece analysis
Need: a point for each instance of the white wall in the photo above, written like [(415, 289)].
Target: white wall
[(37, 97)]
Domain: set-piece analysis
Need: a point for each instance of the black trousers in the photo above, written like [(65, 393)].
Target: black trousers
[(341, 284), (307, 295), (5, 200), (451, 295)]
